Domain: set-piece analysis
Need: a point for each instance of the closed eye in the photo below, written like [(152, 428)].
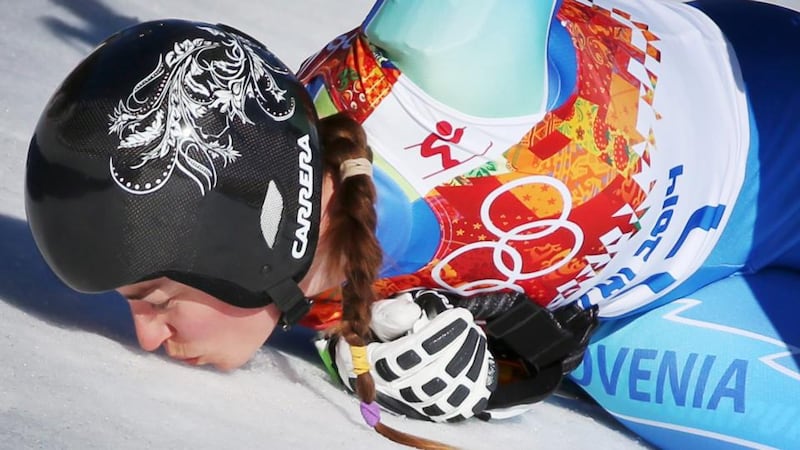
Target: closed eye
[(161, 306), (147, 294), (134, 292)]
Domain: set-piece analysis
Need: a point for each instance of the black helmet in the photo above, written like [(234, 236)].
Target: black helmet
[(179, 149)]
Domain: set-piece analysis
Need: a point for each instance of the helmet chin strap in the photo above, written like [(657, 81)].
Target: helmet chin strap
[(290, 300)]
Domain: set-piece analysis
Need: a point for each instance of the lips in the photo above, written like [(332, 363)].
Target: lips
[(178, 352), (190, 361)]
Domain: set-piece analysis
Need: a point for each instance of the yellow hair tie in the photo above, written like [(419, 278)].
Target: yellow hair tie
[(360, 361)]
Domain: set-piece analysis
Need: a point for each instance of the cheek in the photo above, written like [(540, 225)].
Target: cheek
[(243, 340), (193, 323), (227, 336), (250, 331)]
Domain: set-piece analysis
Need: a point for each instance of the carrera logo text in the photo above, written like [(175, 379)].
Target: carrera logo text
[(305, 207)]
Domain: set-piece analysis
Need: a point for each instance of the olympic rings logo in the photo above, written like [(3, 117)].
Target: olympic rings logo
[(501, 247)]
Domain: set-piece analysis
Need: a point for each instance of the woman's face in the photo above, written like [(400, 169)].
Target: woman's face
[(195, 327)]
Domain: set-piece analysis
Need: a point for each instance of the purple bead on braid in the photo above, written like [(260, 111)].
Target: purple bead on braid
[(371, 413)]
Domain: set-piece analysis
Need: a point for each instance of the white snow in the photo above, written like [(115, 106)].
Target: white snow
[(71, 374)]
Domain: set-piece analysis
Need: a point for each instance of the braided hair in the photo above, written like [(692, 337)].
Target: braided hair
[(351, 238)]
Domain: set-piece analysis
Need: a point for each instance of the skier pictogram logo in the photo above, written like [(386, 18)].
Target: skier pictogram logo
[(444, 143), (446, 133)]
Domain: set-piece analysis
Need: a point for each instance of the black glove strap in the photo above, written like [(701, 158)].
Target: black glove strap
[(533, 333), (549, 343)]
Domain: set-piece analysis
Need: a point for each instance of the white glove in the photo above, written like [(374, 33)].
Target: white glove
[(434, 363)]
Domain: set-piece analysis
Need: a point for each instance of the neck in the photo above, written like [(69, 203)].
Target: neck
[(320, 277), (484, 58)]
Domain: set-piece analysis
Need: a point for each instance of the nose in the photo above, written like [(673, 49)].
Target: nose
[(151, 328)]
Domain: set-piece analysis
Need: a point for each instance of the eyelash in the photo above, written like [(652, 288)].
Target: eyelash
[(162, 306)]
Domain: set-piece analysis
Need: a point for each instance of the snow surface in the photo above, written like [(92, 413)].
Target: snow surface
[(72, 375)]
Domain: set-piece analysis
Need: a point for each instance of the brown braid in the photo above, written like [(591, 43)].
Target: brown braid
[(351, 234)]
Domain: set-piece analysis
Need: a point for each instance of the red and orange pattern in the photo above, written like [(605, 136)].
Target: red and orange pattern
[(591, 144), (355, 79)]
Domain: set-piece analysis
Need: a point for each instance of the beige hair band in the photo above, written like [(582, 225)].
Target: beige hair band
[(355, 166)]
